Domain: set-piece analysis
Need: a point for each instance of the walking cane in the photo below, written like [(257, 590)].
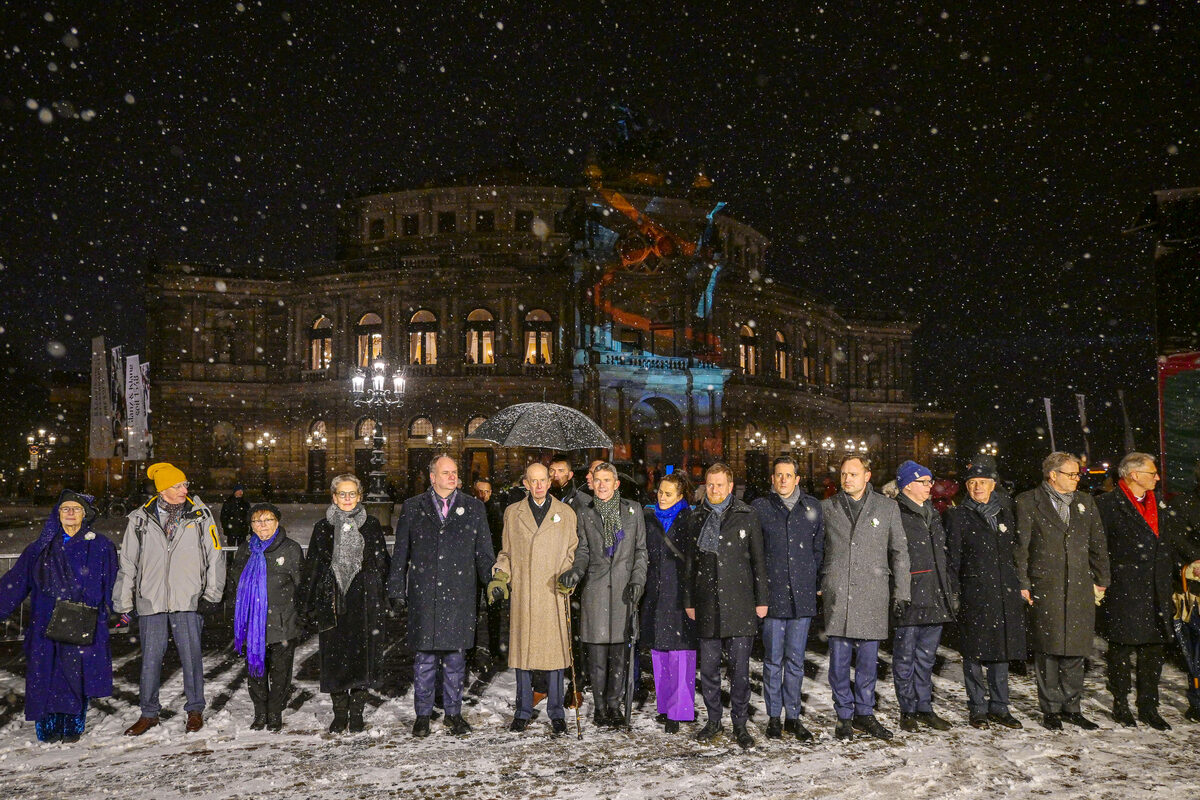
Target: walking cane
[(574, 681)]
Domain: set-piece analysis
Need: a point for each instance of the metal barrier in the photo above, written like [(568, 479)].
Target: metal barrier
[(12, 629)]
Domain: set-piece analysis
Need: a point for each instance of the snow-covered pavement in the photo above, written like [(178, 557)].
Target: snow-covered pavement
[(228, 760)]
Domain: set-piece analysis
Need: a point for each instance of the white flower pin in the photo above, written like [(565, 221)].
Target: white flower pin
[(742, 533), (459, 511), (556, 518), (1003, 528), (280, 561), (874, 522), (631, 511), (1082, 510), (346, 526), (89, 536)]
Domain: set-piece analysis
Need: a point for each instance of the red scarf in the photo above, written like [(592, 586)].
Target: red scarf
[(1146, 506)]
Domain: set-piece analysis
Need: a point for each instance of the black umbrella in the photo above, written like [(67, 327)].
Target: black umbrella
[(547, 425)]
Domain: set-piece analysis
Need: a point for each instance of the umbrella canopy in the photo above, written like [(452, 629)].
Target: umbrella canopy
[(546, 425)]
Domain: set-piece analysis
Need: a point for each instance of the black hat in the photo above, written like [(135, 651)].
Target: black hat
[(85, 500), (982, 466), (257, 507)]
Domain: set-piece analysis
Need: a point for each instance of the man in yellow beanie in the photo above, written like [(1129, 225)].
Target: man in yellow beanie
[(172, 569)]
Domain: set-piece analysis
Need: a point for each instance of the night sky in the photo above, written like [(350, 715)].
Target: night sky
[(974, 170)]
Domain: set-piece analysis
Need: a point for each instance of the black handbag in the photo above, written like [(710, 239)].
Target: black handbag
[(73, 623)]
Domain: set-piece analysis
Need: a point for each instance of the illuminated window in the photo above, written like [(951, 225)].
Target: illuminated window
[(781, 356), (420, 427), (748, 351), (474, 423), (370, 339), (806, 365), (481, 337), (539, 337), (422, 338), (320, 343)]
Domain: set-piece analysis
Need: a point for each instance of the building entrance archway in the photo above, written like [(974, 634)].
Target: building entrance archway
[(656, 436)]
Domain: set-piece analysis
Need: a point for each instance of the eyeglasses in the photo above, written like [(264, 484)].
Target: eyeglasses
[(70, 510), (924, 481), (263, 521), (1069, 475), (346, 495), (1153, 472), (183, 485)]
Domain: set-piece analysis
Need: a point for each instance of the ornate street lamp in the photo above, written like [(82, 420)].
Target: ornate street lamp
[(373, 392), (264, 444), (756, 441), (439, 440), (40, 445), (989, 449)]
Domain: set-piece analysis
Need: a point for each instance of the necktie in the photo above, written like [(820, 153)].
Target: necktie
[(445, 507)]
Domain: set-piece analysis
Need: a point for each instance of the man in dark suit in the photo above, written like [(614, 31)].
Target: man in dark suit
[(482, 489)]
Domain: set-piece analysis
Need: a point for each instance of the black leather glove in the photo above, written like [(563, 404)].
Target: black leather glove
[(206, 607), (632, 593), (567, 582), (899, 609), (398, 604)]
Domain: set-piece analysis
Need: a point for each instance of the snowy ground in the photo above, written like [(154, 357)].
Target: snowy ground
[(228, 760)]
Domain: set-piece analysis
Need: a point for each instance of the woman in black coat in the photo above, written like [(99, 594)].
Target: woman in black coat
[(262, 584), (665, 626), (343, 595), (981, 536)]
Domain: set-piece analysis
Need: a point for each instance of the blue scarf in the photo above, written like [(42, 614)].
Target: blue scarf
[(666, 516), (250, 611)]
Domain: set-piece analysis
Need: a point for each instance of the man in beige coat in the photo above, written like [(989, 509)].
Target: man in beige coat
[(538, 545)]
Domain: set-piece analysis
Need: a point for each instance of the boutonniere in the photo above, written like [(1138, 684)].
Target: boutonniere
[(556, 518), (631, 511), (1081, 508), (280, 560), (87, 537), (459, 511), (874, 522), (742, 533), (346, 526), (1003, 528)]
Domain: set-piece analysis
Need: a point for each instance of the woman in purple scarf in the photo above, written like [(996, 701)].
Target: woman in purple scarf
[(266, 627), (69, 561)]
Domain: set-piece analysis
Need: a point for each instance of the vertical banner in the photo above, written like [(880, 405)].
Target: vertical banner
[(116, 394), (136, 426), (1081, 401), (1129, 445), (100, 439), (1050, 423)]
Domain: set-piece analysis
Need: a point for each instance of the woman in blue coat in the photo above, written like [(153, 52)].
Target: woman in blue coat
[(69, 561)]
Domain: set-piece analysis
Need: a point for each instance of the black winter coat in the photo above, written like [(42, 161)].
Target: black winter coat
[(726, 587), (285, 564), (352, 626), (438, 567), (793, 545), (665, 626), (931, 593), (1137, 607), (983, 571)]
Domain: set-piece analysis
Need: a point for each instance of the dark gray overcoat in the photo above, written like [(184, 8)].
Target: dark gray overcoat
[(604, 614), (983, 570)]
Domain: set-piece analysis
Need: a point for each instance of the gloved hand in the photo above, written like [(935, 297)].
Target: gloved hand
[(632, 594), (398, 604), (899, 609), (567, 582), (955, 605), (206, 607), (497, 589)]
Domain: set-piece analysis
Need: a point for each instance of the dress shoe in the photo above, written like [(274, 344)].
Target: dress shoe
[(844, 730), (558, 726), (1123, 716), (274, 722), (1006, 719), (932, 720), (977, 720), (908, 723), (519, 725), (774, 728), (600, 718), (457, 725), (538, 697), (796, 728), (744, 739), (709, 731), (195, 721), (260, 720), (421, 727), (141, 726), (616, 719), (671, 726), (868, 724), (1151, 717), (1052, 722), (1079, 720), (661, 719)]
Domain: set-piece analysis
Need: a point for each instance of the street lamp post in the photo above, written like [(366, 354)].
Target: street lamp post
[(989, 449), (265, 443), (799, 444), (316, 443), (372, 392), (40, 445)]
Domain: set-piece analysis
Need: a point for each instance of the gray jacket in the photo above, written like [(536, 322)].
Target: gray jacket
[(167, 576), (604, 613), (865, 567)]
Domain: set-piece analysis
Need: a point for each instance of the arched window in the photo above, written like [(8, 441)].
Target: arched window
[(473, 423), (748, 351), (317, 438), (420, 427), (539, 337), (781, 356), (481, 337), (364, 431), (370, 339), (422, 338), (806, 366), (320, 343)]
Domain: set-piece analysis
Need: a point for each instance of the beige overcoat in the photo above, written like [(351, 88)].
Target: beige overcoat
[(534, 557)]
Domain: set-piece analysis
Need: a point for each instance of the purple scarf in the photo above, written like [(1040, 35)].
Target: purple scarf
[(250, 610)]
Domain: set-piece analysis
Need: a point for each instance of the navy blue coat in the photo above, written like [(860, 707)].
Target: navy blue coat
[(794, 546), (437, 567), (930, 587), (983, 571), (665, 626)]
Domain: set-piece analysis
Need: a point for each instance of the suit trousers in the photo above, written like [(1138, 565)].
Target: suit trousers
[(1059, 683), (155, 629), (913, 654), (554, 694), (606, 666), (784, 641), (425, 679), (1150, 659), (270, 690), (990, 697), (865, 653), (737, 650)]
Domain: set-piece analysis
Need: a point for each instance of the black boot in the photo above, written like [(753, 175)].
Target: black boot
[(358, 699), (341, 712), (260, 717), (1123, 715), (774, 728)]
